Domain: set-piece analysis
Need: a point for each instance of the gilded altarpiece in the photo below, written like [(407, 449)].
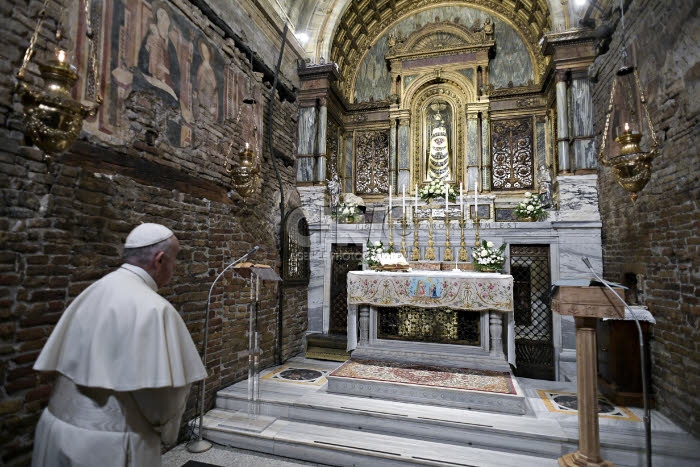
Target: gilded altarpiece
[(372, 162), (442, 63), (512, 154)]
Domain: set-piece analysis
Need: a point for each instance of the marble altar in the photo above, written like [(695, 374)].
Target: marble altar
[(489, 293)]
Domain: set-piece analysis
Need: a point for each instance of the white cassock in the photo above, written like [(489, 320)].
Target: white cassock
[(126, 362)]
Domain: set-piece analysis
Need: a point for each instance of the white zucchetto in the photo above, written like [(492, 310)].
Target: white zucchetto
[(147, 234)]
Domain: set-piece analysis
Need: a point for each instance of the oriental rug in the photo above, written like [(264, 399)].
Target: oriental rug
[(428, 375), (567, 402)]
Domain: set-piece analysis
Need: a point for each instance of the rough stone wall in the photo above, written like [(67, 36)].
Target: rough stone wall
[(63, 224), (656, 238)]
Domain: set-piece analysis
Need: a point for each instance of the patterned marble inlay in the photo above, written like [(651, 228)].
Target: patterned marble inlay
[(567, 402)]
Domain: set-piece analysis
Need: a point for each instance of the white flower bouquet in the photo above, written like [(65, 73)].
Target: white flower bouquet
[(531, 208), (436, 189), (373, 252), (488, 258), (346, 212)]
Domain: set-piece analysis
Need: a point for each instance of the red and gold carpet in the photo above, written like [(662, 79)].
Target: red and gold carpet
[(427, 375)]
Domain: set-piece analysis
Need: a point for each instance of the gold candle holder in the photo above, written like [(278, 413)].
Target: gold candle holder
[(403, 235), (430, 251), (476, 232), (462, 256), (391, 233), (447, 256), (415, 254)]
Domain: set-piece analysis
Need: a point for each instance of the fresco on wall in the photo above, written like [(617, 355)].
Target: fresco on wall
[(512, 63), (151, 48)]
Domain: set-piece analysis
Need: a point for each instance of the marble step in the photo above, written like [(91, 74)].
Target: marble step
[(333, 445), (522, 434)]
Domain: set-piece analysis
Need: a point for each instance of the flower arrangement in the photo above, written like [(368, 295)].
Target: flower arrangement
[(530, 208), (436, 189), (488, 258), (345, 212), (371, 256)]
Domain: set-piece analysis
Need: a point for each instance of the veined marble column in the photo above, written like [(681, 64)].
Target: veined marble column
[(404, 159), (562, 123), (306, 138), (582, 123), (320, 169), (486, 167), (472, 151)]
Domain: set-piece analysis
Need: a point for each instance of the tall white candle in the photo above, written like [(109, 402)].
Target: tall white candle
[(476, 199), (461, 197), (390, 199), (447, 196), (403, 199), (416, 197)]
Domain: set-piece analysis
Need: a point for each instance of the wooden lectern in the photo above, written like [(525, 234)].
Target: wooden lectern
[(586, 304)]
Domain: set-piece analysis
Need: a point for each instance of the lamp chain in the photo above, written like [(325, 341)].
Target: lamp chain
[(623, 38), (93, 57), (32, 42)]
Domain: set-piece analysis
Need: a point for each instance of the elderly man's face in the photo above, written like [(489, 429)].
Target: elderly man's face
[(165, 266)]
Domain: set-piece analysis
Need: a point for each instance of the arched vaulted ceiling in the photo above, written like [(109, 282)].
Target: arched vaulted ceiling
[(327, 29)]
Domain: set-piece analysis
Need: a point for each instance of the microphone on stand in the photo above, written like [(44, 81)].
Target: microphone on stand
[(647, 414), (201, 445)]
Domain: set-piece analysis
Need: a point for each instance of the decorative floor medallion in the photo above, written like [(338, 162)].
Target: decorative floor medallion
[(428, 375), (567, 402), (293, 374)]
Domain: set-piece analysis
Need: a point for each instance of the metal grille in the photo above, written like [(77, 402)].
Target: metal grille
[(296, 267), (534, 347), (372, 163), (438, 325), (344, 258), (513, 167)]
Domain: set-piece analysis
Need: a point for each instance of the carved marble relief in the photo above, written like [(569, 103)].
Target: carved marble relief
[(372, 163), (512, 154)]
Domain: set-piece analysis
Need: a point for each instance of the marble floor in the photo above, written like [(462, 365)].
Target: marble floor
[(301, 383)]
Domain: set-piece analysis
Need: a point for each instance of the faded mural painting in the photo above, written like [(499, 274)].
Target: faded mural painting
[(150, 48)]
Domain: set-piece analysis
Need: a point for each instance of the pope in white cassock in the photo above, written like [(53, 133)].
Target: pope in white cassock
[(125, 362)]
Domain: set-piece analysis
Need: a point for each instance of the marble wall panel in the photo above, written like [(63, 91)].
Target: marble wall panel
[(578, 198), (581, 106)]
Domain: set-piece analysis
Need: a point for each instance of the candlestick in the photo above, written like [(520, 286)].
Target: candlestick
[(430, 251), (476, 200), (389, 199), (403, 199), (461, 197), (447, 197), (447, 255), (415, 254), (462, 242), (415, 212)]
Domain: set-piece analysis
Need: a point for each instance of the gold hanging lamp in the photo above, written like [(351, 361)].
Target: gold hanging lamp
[(52, 118), (628, 128), (245, 176)]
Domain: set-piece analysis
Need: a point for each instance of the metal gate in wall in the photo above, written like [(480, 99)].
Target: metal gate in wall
[(345, 258), (534, 345)]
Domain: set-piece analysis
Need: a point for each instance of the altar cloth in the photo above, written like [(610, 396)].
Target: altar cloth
[(459, 290)]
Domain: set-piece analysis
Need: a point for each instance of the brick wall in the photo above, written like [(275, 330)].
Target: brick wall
[(63, 223), (657, 238)]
